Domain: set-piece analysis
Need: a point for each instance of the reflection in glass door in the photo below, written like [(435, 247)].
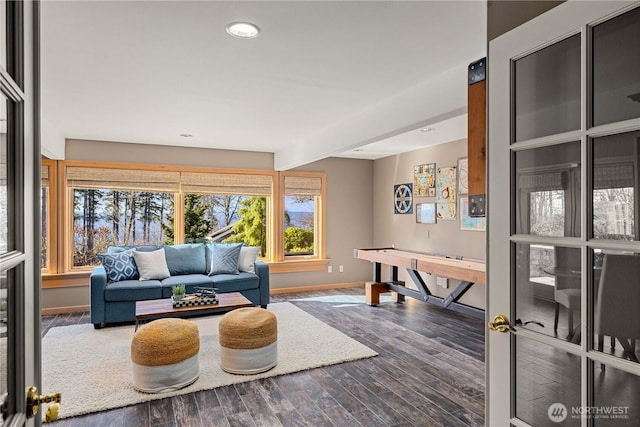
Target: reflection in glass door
[(569, 128), (547, 196)]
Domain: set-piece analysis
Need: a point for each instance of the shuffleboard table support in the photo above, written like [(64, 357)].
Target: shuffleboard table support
[(422, 287), (450, 302), (465, 270)]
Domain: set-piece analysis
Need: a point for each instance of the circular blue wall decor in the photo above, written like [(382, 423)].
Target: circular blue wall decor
[(403, 199)]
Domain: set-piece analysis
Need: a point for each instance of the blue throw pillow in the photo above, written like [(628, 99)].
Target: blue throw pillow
[(186, 259), (224, 258), (119, 266)]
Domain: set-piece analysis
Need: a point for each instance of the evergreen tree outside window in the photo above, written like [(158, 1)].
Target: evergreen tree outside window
[(225, 218), (251, 226), (105, 217)]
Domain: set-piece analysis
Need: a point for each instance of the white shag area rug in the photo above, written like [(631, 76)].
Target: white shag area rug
[(92, 368)]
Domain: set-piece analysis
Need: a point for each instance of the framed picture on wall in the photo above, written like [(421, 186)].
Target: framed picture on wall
[(467, 222), (446, 193), (424, 180), (463, 175), (403, 199), (426, 213)]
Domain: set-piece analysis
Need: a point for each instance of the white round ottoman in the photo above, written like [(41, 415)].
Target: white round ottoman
[(165, 355), (248, 341)]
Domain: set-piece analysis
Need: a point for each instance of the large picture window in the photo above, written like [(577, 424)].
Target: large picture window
[(108, 217), (114, 207), (302, 201), (114, 204), (226, 218), (228, 207)]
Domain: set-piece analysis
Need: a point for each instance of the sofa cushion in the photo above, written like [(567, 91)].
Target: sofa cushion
[(224, 258), (133, 290), (186, 259), (119, 266), (248, 256), (235, 282), (191, 281), (151, 265)]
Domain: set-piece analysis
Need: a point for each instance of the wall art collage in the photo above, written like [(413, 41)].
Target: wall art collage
[(447, 187)]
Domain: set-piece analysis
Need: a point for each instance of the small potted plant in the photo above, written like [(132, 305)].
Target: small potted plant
[(178, 291)]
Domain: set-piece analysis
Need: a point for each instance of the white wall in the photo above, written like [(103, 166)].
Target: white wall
[(402, 231), (52, 142)]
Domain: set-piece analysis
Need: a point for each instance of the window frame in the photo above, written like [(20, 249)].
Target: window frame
[(52, 216), (62, 273), (295, 263)]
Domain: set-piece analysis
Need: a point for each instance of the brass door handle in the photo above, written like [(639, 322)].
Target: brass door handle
[(34, 400), (500, 324)]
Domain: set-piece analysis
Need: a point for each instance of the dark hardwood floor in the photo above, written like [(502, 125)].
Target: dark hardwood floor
[(429, 372)]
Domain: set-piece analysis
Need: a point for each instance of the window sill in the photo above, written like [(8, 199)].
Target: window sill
[(294, 266), (66, 280)]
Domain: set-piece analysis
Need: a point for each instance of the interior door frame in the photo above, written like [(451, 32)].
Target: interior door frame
[(557, 24)]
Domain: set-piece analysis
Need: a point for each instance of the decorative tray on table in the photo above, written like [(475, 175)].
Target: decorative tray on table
[(199, 298)]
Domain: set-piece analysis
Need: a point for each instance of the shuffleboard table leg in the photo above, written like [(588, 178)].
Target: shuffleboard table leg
[(373, 291), (398, 297)]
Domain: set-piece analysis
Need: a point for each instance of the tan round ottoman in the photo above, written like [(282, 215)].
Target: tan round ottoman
[(165, 355), (248, 341)]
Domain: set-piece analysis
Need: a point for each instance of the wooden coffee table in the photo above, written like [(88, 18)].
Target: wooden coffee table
[(157, 308)]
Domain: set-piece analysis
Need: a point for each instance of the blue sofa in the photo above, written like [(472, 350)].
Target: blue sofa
[(114, 301)]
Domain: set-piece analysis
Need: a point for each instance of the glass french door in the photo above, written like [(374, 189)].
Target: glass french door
[(19, 273), (564, 219)]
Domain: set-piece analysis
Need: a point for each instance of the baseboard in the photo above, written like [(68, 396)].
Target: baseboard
[(316, 287), (64, 310)]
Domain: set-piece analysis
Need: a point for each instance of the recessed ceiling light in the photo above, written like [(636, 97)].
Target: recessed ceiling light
[(426, 129), (186, 135), (358, 149), (243, 30)]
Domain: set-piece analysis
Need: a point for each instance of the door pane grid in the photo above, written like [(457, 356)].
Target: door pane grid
[(606, 209)]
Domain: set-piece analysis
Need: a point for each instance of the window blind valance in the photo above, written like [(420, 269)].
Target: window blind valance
[(218, 183), (544, 181), (618, 175), (303, 185), (185, 182), (123, 179)]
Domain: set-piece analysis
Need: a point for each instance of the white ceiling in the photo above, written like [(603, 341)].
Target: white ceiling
[(324, 78)]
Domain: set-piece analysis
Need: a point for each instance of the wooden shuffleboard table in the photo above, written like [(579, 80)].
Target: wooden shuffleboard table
[(468, 271)]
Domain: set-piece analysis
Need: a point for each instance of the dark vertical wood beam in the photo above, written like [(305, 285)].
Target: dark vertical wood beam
[(477, 137), (477, 141)]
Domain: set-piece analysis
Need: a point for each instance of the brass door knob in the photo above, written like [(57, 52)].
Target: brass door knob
[(34, 400), (500, 323)]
